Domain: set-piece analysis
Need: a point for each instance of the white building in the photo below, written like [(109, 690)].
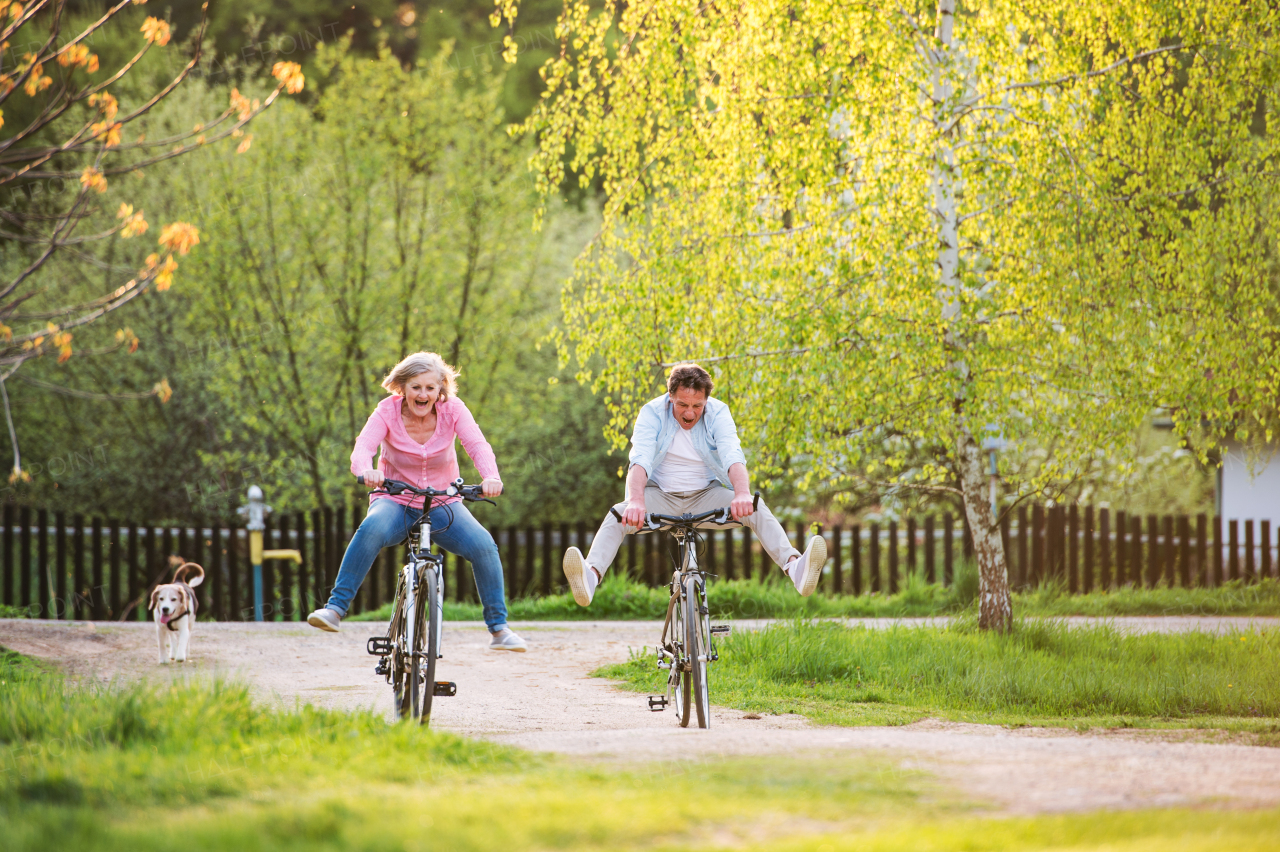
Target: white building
[(1244, 494)]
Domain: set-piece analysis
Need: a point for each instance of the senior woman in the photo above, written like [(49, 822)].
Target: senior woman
[(415, 428)]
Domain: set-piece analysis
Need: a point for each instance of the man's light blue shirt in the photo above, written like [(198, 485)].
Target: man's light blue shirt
[(714, 437)]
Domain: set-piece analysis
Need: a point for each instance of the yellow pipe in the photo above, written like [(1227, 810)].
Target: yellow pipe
[(277, 554)]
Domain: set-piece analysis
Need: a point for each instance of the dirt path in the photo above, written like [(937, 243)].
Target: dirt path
[(544, 700)]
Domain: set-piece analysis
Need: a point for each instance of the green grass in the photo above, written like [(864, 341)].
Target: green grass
[(197, 766), (1043, 673), (621, 598)]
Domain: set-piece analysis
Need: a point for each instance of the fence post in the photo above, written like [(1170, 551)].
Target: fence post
[(1169, 551), (530, 586), (24, 556), (1142, 563), (546, 559), (1122, 551), (893, 557), (511, 577), (728, 553), (60, 561), (837, 574), (912, 561), (855, 557), (874, 558), (1202, 550), (42, 559), (1024, 548), (1264, 567), (1219, 569), (930, 558), (1073, 548), (948, 549), (1233, 555), (132, 573), (1184, 551), (651, 565), (1250, 564), (1006, 544), (113, 603), (97, 595), (1104, 549), (1037, 546), (1086, 578), (1153, 551), (77, 568), (9, 572), (304, 592)]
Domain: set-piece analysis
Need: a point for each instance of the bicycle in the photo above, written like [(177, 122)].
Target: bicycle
[(688, 638), (408, 652)]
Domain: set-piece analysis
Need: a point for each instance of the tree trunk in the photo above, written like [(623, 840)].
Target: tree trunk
[(995, 608)]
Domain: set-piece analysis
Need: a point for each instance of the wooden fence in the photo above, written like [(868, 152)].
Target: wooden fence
[(59, 567)]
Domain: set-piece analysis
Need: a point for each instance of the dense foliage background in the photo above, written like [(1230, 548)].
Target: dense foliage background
[(385, 209)]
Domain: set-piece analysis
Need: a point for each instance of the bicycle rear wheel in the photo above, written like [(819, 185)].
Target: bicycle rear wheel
[(697, 641), (424, 662), (679, 678)]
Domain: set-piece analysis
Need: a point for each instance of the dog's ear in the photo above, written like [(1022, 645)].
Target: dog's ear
[(154, 593)]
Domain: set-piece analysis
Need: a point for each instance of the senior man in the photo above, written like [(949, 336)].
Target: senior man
[(685, 457)]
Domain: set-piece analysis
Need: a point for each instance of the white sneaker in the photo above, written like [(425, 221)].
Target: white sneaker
[(806, 571), (582, 579), (507, 640), (325, 619)]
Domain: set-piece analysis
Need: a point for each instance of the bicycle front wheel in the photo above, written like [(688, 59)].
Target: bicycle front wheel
[(424, 663), (696, 644)]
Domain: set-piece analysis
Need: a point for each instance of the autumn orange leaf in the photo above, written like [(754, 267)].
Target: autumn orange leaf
[(156, 31), (179, 237), (290, 74)]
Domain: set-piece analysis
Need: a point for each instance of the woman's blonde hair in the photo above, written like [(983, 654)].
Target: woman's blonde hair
[(422, 362)]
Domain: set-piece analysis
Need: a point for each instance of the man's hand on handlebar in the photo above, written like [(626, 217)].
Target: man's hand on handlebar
[(491, 487), (633, 515), (742, 506), (373, 478)]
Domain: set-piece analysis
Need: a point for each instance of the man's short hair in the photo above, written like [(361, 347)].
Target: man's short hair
[(689, 376)]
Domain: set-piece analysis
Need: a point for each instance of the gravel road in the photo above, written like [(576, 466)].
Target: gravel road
[(544, 700)]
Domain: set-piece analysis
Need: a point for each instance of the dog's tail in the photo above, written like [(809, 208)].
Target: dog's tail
[(180, 575)]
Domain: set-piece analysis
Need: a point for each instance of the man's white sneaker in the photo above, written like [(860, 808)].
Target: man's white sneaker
[(325, 619), (807, 570), (582, 579), (507, 640)]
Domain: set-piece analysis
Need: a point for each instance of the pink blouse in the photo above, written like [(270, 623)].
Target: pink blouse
[(433, 464)]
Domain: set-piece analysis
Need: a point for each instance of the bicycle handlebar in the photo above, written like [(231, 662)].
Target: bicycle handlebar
[(655, 521), (470, 493)]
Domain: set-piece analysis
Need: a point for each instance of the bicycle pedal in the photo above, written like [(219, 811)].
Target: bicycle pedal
[(379, 646), (721, 629), (444, 689), (657, 703), (382, 668)]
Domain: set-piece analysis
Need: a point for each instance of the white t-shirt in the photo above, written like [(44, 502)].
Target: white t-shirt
[(682, 469)]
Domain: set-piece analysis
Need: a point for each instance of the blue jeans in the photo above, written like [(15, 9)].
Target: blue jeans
[(387, 523)]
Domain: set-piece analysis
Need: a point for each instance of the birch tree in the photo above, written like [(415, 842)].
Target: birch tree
[(888, 228)]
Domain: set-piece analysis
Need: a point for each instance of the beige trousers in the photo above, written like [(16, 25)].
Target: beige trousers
[(773, 538)]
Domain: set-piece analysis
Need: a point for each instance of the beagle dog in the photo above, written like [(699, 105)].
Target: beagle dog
[(175, 612)]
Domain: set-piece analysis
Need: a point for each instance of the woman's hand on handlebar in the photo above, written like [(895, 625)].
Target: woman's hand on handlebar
[(372, 478), (491, 487), (742, 506)]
